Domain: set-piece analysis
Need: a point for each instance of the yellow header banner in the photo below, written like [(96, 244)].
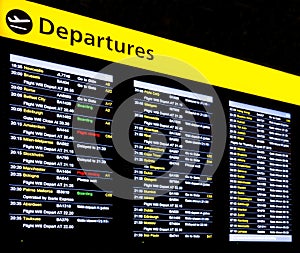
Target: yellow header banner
[(42, 25)]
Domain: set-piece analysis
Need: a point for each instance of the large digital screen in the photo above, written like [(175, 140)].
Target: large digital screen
[(100, 153)]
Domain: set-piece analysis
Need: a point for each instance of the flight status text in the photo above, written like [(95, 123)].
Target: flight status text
[(175, 195), (260, 174), (48, 187)]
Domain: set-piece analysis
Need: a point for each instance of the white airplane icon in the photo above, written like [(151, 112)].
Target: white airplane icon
[(17, 20)]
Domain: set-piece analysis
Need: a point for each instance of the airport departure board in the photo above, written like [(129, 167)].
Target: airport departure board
[(48, 188), (260, 173), (145, 154)]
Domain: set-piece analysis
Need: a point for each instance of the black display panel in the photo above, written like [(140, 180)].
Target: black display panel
[(95, 159)]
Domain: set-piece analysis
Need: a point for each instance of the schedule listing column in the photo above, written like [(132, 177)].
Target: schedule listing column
[(260, 174), (172, 137), (48, 188)]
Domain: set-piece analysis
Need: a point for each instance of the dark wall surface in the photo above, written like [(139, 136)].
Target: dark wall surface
[(260, 31)]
